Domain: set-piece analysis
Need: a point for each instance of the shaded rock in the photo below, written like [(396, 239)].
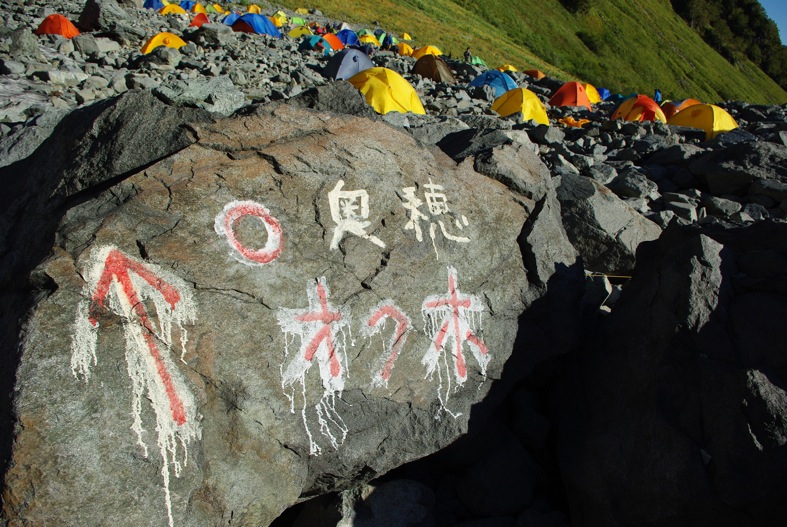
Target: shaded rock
[(401, 503), (603, 229), (336, 97), (632, 183), (102, 14)]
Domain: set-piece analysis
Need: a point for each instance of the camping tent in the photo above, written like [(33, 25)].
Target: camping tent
[(368, 38), (172, 9), (501, 82), (334, 41), (253, 23), (348, 37), (153, 4), (200, 19), (164, 38), (404, 49), (475, 60), (708, 117), (315, 43), (670, 108), (387, 91), (198, 8), (215, 8), (426, 50), (524, 101), (570, 94), (593, 95), (231, 19), (255, 9), (434, 68), (347, 63), (299, 32), (297, 21), (187, 5), (639, 108), (536, 74), (302, 11), (506, 67), (603, 93), (57, 25)]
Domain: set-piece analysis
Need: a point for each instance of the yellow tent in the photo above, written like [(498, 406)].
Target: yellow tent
[(165, 38), (524, 101), (592, 93), (639, 108), (172, 9), (198, 8), (708, 117), (506, 67), (387, 91), (219, 9), (275, 21), (302, 11), (405, 49), (299, 32), (426, 50), (281, 17), (369, 39), (255, 9), (406, 36)]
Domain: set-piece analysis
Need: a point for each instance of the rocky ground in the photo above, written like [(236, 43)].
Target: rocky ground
[(618, 184)]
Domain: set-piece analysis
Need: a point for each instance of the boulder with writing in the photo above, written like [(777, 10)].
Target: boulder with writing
[(292, 304)]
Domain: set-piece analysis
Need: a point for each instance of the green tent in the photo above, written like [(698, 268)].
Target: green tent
[(476, 60), (297, 21)]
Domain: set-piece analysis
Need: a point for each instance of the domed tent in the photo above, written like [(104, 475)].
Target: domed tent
[(524, 101), (368, 38), (387, 91), (153, 4), (230, 19), (571, 94), (254, 9), (507, 67), (302, 11), (426, 50), (639, 108), (475, 60), (593, 95), (348, 37), (200, 19), (164, 38), (299, 32), (198, 8), (536, 74), (315, 43), (501, 82), (603, 93), (670, 108), (708, 117), (404, 49), (334, 41), (259, 24), (346, 64), (187, 5), (434, 68), (172, 9), (57, 25), (406, 36), (279, 18), (297, 21), (215, 8)]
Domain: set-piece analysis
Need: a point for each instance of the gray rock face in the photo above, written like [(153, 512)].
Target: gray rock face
[(687, 388), (220, 274), (603, 229)]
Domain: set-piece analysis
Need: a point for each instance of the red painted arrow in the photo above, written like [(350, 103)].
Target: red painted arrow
[(116, 269)]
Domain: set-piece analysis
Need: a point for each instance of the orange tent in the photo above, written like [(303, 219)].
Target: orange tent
[(57, 25), (670, 108), (334, 41), (536, 74), (200, 19), (639, 108), (571, 94)]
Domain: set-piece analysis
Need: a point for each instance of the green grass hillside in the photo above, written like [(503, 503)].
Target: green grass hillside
[(623, 45)]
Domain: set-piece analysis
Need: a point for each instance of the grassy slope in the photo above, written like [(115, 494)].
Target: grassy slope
[(623, 45)]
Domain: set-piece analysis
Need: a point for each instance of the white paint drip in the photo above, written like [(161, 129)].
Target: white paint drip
[(321, 329), (143, 368)]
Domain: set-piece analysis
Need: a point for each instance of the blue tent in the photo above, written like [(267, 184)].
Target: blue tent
[(259, 24), (313, 42), (153, 4), (231, 18), (347, 63), (348, 37), (498, 80), (187, 5), (603, 93)]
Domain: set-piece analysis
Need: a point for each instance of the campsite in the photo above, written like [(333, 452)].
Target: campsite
[(290, 265)]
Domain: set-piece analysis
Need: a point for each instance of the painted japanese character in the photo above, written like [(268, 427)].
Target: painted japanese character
[(350, 212)]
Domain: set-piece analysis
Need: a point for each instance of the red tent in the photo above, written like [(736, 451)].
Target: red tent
[(200, 19), (57, 25), (571, 94)]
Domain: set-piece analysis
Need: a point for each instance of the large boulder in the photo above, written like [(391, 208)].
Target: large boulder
[(603, 229), (686, 388), (167, 364)]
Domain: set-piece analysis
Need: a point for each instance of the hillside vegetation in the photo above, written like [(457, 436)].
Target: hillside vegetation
[(623, 45)]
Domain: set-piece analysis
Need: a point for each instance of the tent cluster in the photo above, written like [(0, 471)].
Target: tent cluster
[(348, 58)]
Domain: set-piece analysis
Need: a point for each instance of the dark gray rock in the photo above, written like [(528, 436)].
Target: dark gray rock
[(401, 503), (632, 183), (731, 170), (103, 15), (721, 207), (603, 229), (336, 97)]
